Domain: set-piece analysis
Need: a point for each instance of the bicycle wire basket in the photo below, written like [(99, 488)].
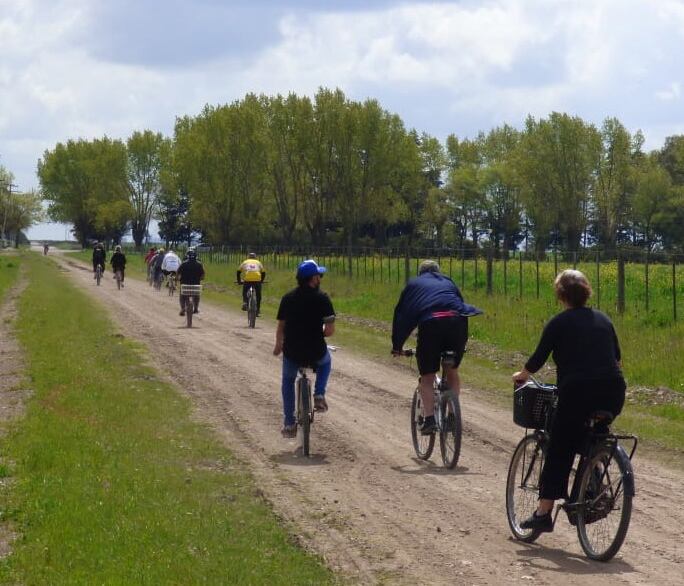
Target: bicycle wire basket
[(193, 290), (531, 403)]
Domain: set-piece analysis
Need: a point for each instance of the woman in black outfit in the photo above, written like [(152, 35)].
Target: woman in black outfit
[(584, 346)]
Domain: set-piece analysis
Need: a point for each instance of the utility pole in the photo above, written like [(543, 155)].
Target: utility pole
[(9, 185)]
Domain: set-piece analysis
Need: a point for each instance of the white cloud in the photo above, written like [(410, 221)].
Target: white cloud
[(445, 67)]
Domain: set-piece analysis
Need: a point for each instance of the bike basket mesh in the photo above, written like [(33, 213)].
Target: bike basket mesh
[(530, 405), (190, 289)]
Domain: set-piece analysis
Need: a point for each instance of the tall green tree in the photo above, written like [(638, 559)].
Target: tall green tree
[(145, 152), (85, 184)]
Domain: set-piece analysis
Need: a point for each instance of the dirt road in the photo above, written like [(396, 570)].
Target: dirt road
[(362, 500)]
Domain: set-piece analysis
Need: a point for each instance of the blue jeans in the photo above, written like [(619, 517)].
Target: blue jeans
[(290, 368)]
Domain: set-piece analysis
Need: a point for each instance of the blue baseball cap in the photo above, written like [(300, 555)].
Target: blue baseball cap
[(309, 268)]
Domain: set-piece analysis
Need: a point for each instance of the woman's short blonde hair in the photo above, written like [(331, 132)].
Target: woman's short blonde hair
[(572, 287)]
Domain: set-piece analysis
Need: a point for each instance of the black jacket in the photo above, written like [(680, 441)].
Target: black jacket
[(118, 261), (191, 272)]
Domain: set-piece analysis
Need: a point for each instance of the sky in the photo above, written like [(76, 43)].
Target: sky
[(86, 68)]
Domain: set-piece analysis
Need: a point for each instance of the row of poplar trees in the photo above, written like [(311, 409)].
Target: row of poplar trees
[(334, 171)]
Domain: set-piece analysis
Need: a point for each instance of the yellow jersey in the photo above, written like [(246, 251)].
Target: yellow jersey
[(251, 270)]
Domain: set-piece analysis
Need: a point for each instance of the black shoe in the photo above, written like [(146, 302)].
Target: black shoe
[(195, 310), (429, 426), (182, 313), (543, 523), (244, 307)]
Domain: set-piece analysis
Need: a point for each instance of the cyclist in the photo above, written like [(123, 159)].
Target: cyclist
[(118, 262), (148, 262), (170, 263), (157, 261), (99, 258), (46, 247), (190, 272), (305, 318), (251, 274), (434, 303), (585, 348)]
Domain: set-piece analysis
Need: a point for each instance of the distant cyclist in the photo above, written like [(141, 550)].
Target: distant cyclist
[(434, 303), (148, 262), (305, 318), (99, 258), (118, 262), (46, 247), (190, 272), (251, 274), (170, 263), (157, 261)]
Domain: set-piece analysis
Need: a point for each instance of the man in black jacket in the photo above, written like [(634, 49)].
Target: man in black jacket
[(190, 272), (118, 262), (99, 258)]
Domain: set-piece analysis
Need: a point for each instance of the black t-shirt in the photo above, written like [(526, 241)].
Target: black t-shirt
[(190, 272), (304, 311), (583, 344)]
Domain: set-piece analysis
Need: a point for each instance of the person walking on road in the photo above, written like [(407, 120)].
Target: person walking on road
[(434, 303), (305, 318)]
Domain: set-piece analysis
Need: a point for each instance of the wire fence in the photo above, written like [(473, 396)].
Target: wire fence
[(622, 280)]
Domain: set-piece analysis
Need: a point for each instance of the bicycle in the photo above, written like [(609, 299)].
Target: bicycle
[(252, 310), (599, 504), (119, 279), (447, 417), (171, 284), (304, 412), (98, 274), (158, 279), (189, 293)]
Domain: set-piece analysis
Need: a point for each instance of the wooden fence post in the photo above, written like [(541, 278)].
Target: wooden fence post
[(490, 270), (620, 284)]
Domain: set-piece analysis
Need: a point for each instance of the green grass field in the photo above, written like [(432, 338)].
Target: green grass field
[(9, 270), (112, 482)]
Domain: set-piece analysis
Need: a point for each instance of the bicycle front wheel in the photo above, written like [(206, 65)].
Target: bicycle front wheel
[(304, 413), (604, 506), (422, 444), (450, 429), (522, 486)]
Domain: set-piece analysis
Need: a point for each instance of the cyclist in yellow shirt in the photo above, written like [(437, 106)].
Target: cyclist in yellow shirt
[(251, 274)]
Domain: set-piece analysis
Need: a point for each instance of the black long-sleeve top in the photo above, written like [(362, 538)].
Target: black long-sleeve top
[(583, 344)]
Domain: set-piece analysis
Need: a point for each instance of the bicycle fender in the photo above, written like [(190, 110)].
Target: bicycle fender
[(628, 478)]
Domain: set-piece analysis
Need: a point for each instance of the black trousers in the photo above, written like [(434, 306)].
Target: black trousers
[(257, 290), (576, 401)]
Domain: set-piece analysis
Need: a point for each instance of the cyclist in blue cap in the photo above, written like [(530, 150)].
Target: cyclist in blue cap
[(305, 318)]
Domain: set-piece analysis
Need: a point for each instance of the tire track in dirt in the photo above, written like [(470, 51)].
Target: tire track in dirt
[(363, 501)]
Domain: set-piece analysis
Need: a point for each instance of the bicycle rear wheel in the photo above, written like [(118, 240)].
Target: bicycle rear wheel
[(422, 444), (604, 505), (304, 412), (189, 309), (98, 275), (522, 486), (251, 309), (450, 429), (118, 279)]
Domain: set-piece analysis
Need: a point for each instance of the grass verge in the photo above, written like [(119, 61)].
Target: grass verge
[(9, 270), (115, 484)]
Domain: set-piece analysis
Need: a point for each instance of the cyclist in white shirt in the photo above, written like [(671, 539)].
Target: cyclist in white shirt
[(170, 263)]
